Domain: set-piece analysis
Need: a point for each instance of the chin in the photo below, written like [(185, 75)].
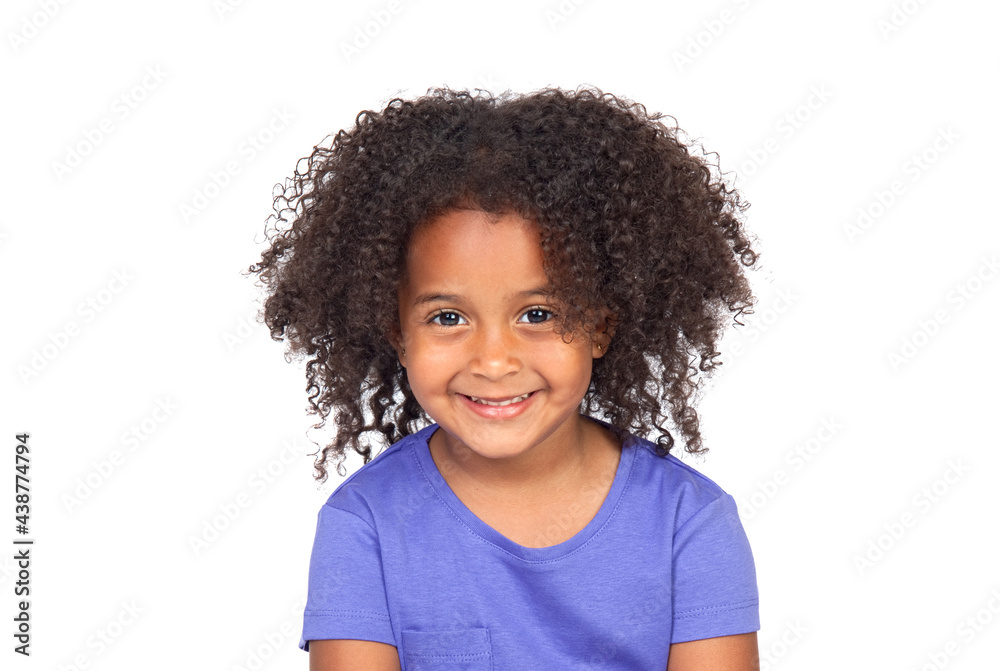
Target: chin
[(487, 447)]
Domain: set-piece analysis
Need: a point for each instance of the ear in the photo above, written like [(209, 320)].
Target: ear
[(395, 338), (604, 331)]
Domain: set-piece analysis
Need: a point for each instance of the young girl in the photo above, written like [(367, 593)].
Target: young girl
[(515, 292)]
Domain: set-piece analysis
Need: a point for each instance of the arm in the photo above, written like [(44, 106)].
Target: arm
[(347, 655), (715, 593), (346, 618), (725, 653)]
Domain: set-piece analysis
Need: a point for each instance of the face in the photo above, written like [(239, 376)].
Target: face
[(477, 340)]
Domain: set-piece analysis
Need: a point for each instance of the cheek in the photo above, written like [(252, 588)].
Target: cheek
[(428, 369), (570, 367), (433, 358), (586, 369)]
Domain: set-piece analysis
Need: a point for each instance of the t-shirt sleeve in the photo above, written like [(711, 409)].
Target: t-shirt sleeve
[(346, 594), (714, 579)]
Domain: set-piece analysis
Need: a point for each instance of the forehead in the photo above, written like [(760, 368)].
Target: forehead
[(471, 229), (471, 249)]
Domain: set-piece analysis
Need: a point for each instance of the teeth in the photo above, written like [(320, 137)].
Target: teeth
[(516, 399)]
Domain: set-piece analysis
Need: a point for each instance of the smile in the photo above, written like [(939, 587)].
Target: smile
[(498, 408), (483, 401)]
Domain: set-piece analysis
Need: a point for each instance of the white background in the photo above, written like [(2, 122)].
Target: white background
[(864, 355)]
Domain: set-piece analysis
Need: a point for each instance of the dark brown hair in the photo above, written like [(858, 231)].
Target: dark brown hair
[(630, 220)]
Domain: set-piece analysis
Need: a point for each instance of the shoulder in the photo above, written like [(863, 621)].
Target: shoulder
[(672, 485), (389, 481)]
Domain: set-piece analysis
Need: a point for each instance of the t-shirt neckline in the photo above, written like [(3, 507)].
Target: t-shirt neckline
[(494, 537)]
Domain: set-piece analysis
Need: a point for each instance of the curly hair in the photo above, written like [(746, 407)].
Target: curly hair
[(630, 221)]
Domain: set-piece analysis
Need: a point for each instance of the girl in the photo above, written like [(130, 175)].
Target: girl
[(515, 292)]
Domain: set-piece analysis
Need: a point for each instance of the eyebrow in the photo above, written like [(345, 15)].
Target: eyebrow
[(433, 297)]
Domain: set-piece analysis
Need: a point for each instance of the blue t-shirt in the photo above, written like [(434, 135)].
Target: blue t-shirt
[(399, 559)]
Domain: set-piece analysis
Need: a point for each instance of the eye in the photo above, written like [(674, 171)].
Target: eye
[(536, 316), (447, 318)]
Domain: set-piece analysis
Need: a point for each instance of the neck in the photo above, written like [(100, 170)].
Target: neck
[(562, 462)]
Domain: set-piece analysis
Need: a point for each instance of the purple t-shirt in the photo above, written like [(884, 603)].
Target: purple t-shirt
[(399, 559)]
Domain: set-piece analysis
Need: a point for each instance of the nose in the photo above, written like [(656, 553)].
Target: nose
[(496, 354)]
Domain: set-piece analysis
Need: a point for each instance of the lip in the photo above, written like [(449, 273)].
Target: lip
[(508, 411)]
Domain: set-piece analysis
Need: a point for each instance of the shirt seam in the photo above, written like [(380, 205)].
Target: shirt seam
[(420, 657), (709, 610), (361, 614), (353, 514), (720, 498)]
